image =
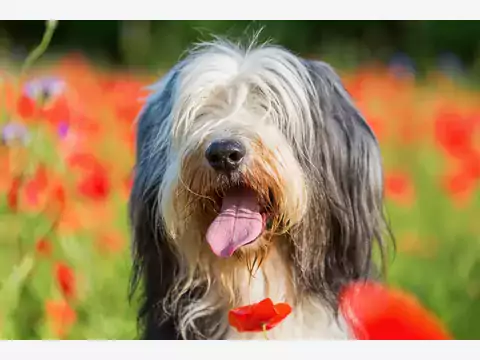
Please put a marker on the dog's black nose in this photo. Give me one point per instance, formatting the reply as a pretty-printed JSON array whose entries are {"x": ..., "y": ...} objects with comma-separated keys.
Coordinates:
[{"x": 225, "y": 155}]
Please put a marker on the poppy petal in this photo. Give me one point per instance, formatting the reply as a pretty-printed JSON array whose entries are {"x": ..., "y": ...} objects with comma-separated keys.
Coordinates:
[
  {"x": 256, "y": 317},
  {"x": 374, "y": 312}
]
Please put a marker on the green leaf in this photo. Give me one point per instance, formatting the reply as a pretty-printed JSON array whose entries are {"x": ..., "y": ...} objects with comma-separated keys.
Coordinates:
[{"x": 12, "y": 286}]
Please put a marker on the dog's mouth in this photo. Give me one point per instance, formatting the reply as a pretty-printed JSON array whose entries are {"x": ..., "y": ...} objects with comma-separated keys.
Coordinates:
[{"x": 242, "y": 219}]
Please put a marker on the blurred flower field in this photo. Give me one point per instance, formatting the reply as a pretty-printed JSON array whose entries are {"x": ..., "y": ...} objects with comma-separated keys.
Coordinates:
[{"x": 66, "y": 159}]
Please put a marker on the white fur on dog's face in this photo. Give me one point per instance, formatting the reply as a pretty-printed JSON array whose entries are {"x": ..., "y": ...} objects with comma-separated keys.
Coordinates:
[{"x": 222, "y": 94}]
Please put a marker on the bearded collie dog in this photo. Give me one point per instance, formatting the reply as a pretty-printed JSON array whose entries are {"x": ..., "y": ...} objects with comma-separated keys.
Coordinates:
[{"x": 256, "y": 176}]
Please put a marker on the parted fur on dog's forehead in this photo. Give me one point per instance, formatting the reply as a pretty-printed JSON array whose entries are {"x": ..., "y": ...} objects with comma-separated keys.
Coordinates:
[{"x": 217, "y": 80}]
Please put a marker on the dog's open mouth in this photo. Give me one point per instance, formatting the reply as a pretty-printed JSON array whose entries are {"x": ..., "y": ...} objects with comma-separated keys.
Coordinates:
[{"x": 242, "y": 220}]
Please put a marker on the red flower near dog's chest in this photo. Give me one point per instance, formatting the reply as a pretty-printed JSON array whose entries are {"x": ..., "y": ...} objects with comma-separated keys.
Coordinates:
[{"x": 261, "y": 316}]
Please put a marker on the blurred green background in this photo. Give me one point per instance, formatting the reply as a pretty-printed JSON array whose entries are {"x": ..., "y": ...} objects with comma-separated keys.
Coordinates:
[
  {"x": 415, "y": 81},
  {"x": 148, "y": 44}
]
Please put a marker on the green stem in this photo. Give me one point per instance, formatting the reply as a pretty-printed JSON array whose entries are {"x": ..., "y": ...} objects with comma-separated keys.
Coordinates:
[
  {"x": 51, "y": 25},
  {"x": 264, "y": 328}
]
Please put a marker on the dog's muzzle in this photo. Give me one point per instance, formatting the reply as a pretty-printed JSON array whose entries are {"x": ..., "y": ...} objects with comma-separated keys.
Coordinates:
[{"x": 240, "y": 220}]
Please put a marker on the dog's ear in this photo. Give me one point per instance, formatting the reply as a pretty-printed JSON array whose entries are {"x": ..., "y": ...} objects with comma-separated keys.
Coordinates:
[
  {"x": 346, "y": 210},
  {"x": 154, "y": 264}
]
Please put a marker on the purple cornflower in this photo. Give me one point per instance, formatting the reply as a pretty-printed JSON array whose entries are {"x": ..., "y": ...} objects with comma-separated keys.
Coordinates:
[
  {"x": 44, "y": 88},
  {"x": 13, "y": 131},
  {"x": 62, "y": 130}
]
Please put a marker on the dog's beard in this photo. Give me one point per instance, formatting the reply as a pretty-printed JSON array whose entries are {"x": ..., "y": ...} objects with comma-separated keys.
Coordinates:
[
  {"x": 234, "y": 216},
  {"x": 238, "y": 214},
  {"x": 270, "y": 187}
]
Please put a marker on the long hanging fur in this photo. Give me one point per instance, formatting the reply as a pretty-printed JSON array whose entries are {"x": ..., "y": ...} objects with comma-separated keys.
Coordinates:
[
  {"x": 346, "y": 212},
  {"x": 154, "y": 263}
]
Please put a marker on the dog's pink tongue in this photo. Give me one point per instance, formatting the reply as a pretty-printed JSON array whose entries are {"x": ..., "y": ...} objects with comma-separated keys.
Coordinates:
[{"x": 238, "y": 223}]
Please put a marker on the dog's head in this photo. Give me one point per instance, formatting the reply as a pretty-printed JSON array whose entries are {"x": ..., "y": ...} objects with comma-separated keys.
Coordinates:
[
  {"x": 239, "y": 131},
  {"x": 239, "y": 150}
]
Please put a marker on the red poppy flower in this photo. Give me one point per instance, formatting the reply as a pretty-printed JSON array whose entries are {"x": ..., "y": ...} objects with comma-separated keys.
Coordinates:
[
  {"x": 460, "y": 187},
  {"x": 471, "y": 163},
  {"x": 94, "y": 182},
  {"x": 57, "y": 113},
  {"x": 43, "y": 247},
  {"x": 399, "y": 188},
  {"x": 35, "y": 186},
  {"x": 258, "y": 317},
  {"x": 44, "y": 98},
  {"x": 55, "y": 199},
  {"x": 83, "y": 161},
  {"x": 95, "y": 185},
  {"x": 13, "y": 193},
  {"x": 26, "y": 107},
  {"x": 374, "y": 312},
  {"x": 454, "y": 133},
  {"x": 61, "y": 316},
  {"x": 58, "y": 196},
  {"x": 65, "y": 279}
]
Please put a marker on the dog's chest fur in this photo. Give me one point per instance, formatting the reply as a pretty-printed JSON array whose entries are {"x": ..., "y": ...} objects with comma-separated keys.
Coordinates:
[{"x": 308, "y": 321}]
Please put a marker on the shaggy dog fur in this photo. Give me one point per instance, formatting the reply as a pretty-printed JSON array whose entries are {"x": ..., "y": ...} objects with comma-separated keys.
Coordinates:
[{"x": 252, "y": 124}]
